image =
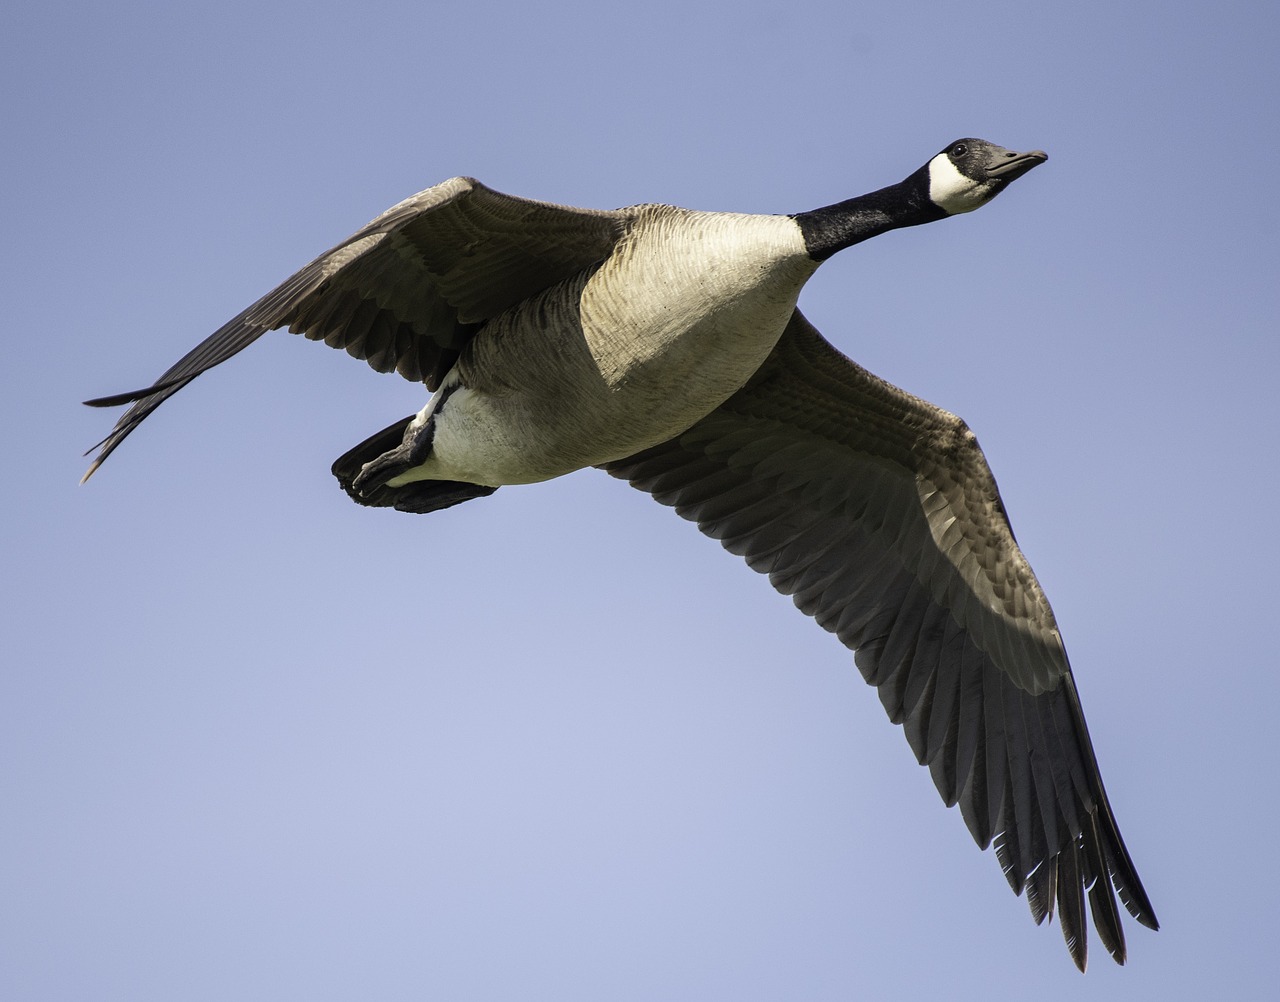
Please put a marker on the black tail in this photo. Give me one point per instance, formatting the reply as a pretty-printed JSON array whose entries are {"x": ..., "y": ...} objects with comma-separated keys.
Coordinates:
[{"x": 417, "y": 498}]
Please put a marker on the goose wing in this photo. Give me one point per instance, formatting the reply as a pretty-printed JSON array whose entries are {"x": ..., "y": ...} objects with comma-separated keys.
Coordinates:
[
  {"x": 406, "y": 292},
  {"x": 878, "y": 514}
]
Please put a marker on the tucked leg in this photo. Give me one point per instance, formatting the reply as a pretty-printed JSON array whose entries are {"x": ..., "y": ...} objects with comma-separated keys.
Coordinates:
[{"x": 364, "y": 471}]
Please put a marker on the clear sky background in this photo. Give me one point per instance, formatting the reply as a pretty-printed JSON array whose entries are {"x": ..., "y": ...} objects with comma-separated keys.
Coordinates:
[{"x": 258, "y": 743}]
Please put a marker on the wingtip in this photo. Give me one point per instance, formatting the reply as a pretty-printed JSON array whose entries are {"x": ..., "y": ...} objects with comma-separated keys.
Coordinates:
[
  {"x": 118, "y": 399},
  {"x": 93, "y": 467}
]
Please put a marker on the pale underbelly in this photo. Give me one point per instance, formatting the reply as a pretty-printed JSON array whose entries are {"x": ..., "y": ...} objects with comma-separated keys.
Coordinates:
[{"x": 580, "y": 413}]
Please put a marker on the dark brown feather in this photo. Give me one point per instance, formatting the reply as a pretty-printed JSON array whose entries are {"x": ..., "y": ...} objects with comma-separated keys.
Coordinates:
[
  {"x": 407, "y": 291},
  {"x": 877, "y": 512}
]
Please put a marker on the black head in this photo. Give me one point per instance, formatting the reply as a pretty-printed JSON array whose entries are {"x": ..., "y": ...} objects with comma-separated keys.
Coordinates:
[{"x": 971, "y": 172}]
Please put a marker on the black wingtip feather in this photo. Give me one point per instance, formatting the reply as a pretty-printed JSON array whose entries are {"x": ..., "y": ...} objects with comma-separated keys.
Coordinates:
[
  {"x": 133, "y": 396},
  {"x": 1070, "y": 894},
  {"x": 1042, "y": 891},
  {"x": 119, "y": 399}
]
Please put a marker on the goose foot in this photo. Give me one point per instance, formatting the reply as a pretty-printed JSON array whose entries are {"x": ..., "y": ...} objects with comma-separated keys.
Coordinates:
[{"x": 412, "y": 451}]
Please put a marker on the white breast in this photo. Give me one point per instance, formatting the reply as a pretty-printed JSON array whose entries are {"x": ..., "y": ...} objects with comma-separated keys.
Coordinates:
[{"x": 695, "y": 296}]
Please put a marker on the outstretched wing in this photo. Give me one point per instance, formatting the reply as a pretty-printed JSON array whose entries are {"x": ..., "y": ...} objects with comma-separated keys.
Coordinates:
[
  {"x": 878, "y": 514},
  {"x": 406, "y": 292}
]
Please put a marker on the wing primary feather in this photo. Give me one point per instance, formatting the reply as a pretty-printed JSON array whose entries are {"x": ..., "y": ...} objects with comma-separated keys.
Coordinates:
[
  {"x": 975, "y": 799},
  {"x": 996, "y": 743},
  {"x": 1040, "y": 763},
  {"x": 941, "y": 739},
  {"x": 1071, "y": 904},
  {"x": 119, "y": 399},
  {"x": 1102, "y": 901},
  {"x": 944, "y": 721},
  {"x": 921, "y": 674},
  {"x": 916, "y": 717},
  {"x": 1021, "y": 786},
  {"x": 1005, "y": 843},
  {"x": 1041, "y": 891},
  {"x": 969, "y": 732}
]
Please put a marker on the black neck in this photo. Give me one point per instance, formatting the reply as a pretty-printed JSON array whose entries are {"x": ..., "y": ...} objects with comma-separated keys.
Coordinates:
[{"x": 835, "y": 227}]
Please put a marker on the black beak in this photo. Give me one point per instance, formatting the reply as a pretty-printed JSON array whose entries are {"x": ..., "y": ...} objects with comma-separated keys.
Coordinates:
[{"x": 1013, "y": 165}]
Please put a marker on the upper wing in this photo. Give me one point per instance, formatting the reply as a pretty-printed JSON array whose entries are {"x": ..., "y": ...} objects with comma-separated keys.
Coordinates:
[
  {"x": 877, "y": 512},
  {"x": 406, "y": 292}
]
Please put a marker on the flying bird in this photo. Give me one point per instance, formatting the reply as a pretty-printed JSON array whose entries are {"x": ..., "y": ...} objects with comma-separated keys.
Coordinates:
[{"x": 664, "y": 346}]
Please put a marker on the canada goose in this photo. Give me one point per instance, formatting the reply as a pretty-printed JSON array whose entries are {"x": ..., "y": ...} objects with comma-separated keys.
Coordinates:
[{"x": 664, "y": 346}]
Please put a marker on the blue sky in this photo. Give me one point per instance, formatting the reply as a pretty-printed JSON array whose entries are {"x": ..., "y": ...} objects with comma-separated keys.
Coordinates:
[{"x": 259, "y": 743}]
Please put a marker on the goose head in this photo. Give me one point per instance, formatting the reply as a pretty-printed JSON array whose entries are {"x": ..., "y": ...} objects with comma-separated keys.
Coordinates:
[{"x": 971, "y": 172}]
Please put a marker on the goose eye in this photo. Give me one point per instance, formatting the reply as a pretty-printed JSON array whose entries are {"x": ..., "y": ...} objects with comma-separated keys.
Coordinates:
[{"x": 959, "y": 150}]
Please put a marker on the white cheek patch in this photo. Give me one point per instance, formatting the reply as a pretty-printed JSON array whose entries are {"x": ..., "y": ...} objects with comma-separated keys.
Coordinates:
[{"x": 951, "y": 191}]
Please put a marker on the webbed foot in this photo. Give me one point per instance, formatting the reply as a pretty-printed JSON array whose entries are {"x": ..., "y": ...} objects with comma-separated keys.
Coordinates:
[
  {"x": 413, "y": 450},
  {"x": 364, "y": 471}
]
